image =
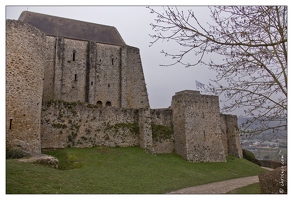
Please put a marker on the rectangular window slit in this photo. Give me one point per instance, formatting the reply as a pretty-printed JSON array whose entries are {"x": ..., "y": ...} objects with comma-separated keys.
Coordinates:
[
  {"x": 10, "y": 124},
  {"x": 75, "y": 77}
]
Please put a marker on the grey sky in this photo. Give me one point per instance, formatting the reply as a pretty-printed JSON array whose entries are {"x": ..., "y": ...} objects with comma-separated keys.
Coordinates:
[{"x": 132, "y": 23}]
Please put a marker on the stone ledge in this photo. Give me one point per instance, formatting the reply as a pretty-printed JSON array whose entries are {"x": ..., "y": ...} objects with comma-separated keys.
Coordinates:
[{"x": 42, "y": 159}]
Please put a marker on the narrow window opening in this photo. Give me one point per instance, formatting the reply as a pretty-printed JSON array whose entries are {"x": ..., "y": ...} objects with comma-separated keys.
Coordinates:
[
  {"x": 73, "y": 56},
  {"x": 108, "y": 84},
  {"x": 99, "y": 104},
  {"x": 10, "y": 124},
  {"x": 108, "y": 103},
  {"x": 112, "y": 61},
  {"x": 75, "y": 77},
  {"x": 92, "y": 83},
  {"x": 203, "y": 115}
]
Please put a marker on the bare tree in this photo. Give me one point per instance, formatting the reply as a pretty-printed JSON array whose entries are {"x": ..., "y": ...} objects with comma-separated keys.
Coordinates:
[{"x": 250, "y": 47}]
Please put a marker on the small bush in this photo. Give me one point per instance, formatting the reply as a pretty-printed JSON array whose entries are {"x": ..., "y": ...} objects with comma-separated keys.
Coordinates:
[
  {"x": 248, "y": 155},
  {"x": 15, "y": 154},
  {"x": 274, "y": 182},
  {"x": 66, "y": 161}
]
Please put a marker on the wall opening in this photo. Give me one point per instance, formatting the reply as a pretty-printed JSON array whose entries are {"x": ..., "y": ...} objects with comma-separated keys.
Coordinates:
[
  {"x": 75, "y": 77},
  {"x": 10, "y": 124},
  {"x": 73, "y": 56},
  {"x": 112, "y": 61},
  {"x": 99, "y": 104},
  {"x": 108, "y": 103},
  {"x": 92, "y": 82},
  {"x": 108, "y": 84}
]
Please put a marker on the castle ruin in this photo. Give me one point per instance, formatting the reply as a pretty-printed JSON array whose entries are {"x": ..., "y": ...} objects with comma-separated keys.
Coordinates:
[{"x": 77, "y": 84}]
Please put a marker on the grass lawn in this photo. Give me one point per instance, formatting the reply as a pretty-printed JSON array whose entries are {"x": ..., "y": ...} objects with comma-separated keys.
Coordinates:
[
  {"x": 250, "y": 189},
  {"x": 105, "y": 170}
]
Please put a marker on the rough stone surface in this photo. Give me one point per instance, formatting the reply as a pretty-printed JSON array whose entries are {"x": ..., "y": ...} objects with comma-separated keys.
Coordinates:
[
  {"x": 230, "y": 133},
  {"x": 42, "y": 159},
  {"x": 84, "y": 125},
  {"x": 196, "y": 121},
  {"x": 67, "y": 91},
  {"x": 94, "y": 73},
  {"x": 162, "y": 130},
  {"x": 25, "y": 50}
]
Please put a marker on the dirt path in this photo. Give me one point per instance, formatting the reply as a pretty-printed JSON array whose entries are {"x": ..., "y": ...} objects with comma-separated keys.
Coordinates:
[{"x": 221, "y": 187}]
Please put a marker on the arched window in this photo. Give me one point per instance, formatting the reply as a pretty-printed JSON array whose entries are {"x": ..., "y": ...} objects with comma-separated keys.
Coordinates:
[
  {"x": 99, "y": 104},
  {"x": 108, "y": 103}
]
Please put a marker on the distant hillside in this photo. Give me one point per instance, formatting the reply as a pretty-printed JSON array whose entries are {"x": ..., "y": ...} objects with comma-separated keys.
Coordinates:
[{"x": 282, "y": 133}]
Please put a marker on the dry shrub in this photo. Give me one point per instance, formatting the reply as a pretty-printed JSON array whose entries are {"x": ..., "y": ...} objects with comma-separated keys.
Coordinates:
[{"x": 274, "y": 182}]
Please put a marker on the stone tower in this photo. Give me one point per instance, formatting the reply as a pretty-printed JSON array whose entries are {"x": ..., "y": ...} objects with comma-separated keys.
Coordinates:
[
  {"x": 25, "y": 58},
  {"x": 89, "y": 63},
  {"x": 196, "y": 121}
]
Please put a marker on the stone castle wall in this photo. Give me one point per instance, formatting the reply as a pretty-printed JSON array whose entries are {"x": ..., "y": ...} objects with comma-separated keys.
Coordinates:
[
  {"x": 84, "y": 125},
  {"x": 162, "y": 130},
  {"x": 224, "y": 133},
  {"x": 106, "y": 75},
  {"x": 196, "y": 121},
  {"x": 81, "y": 125},
  {"x": 25, "y": 54},
  {"x": 65, "y": 92},
  {"x": 231, "y": 135},
  {"x": 135, "y": 92}
]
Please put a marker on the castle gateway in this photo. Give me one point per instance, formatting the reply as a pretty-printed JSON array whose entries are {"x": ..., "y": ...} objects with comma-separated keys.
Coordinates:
[{"x": 77, "y": 84}]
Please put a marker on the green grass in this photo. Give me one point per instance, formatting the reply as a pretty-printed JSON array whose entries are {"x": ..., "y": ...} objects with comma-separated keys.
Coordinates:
[
  {"x": 105, "y": 170},
  {"x": 250, "y": 189}
]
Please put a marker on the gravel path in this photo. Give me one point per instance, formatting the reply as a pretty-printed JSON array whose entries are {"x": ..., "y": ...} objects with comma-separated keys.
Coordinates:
[{"x": 221, "y": 187}]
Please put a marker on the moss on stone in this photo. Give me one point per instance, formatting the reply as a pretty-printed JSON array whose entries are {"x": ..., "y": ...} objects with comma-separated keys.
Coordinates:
[
  {"x": 87, "y": 131},
  {"x": 161, "y": 133},
  {"x": 73, "y": 112},
  {"x": 132, "y": 127},
  {"x": 58, "y": 125}
]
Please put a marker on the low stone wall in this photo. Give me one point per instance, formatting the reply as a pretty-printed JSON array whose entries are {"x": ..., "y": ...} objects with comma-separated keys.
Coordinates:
[
  {"x": 84, "y": 125},
  {"x": 162, "y": 130},
  {"x": 81, "y": 125}
]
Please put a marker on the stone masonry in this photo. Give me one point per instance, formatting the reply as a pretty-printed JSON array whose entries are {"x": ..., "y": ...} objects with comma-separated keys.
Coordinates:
[
  {"x": 197, "y": 133},
  {"x": 25, "y": 50},
  {"x": 82, "y": 86}
]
